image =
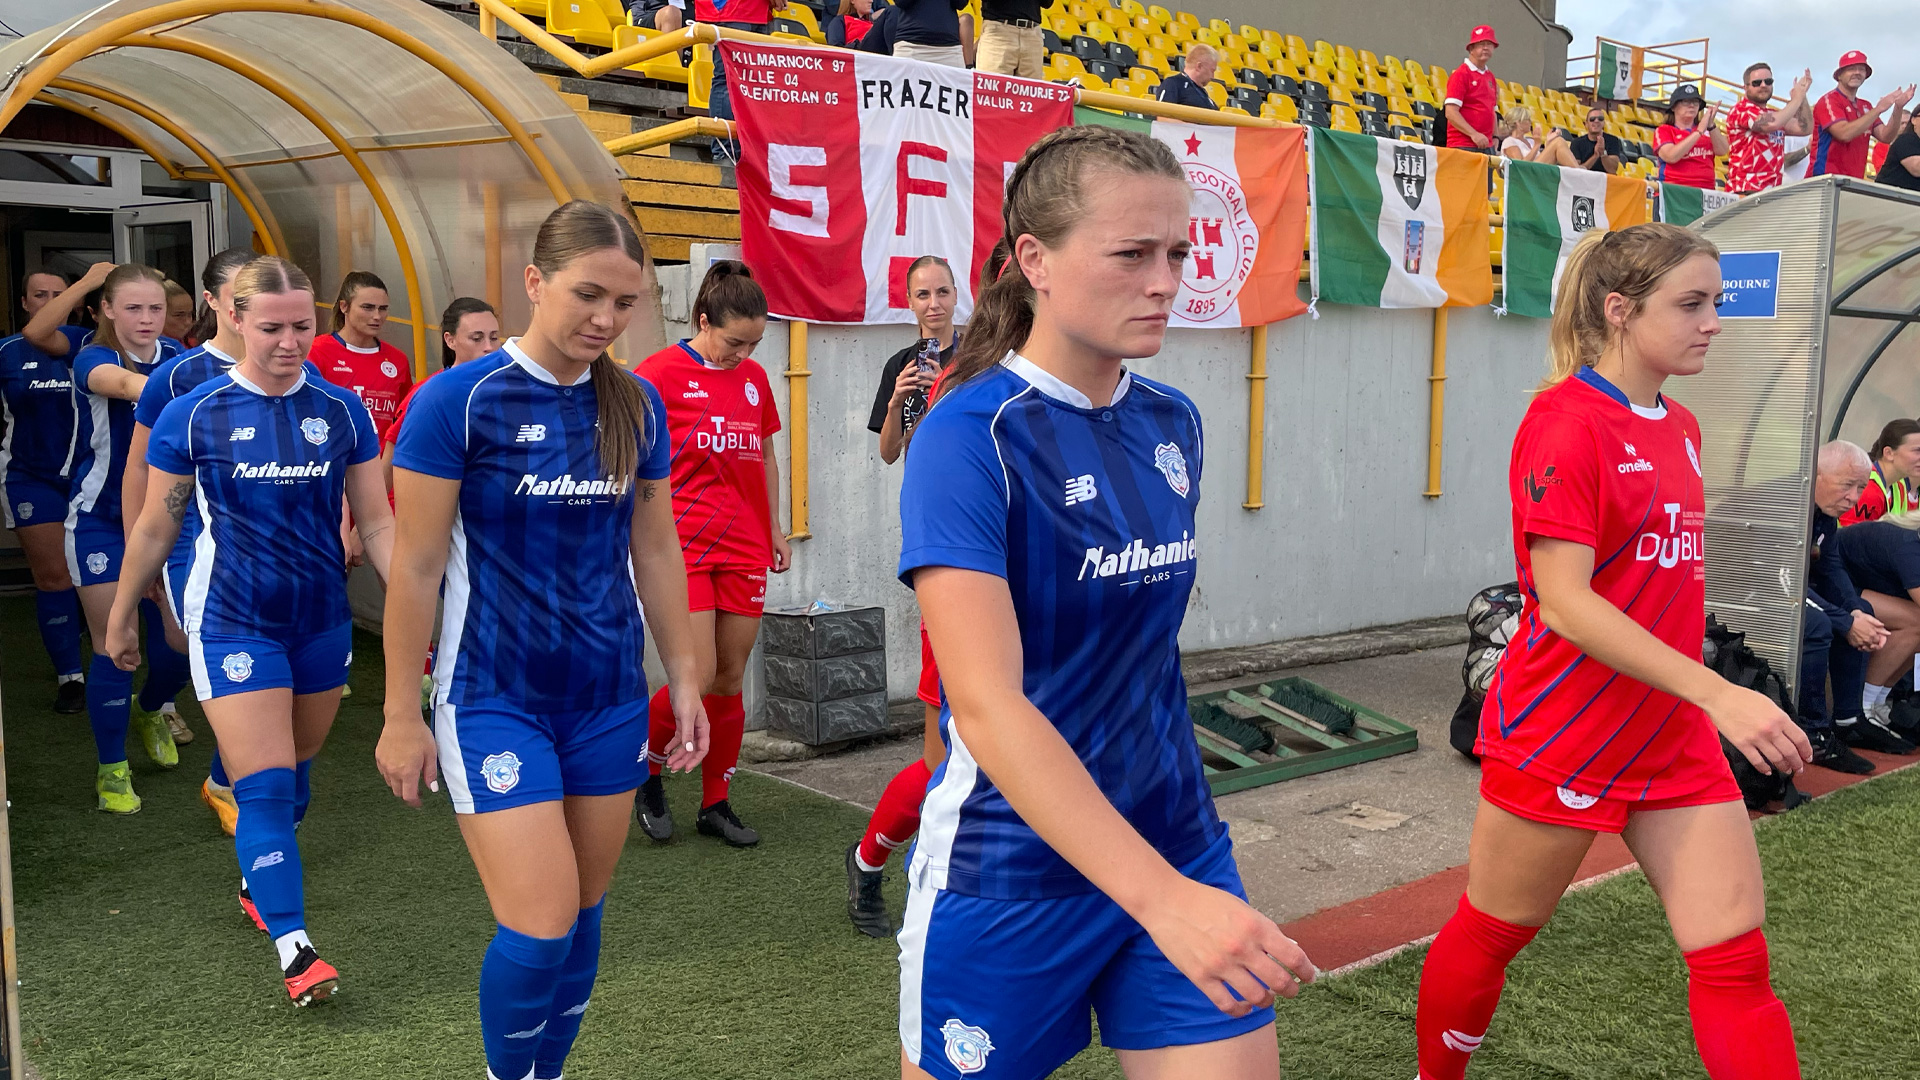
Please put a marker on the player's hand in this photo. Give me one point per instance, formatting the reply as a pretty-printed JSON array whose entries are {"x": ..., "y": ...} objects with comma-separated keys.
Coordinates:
[
  {"x": 406, "y": 754},
  {"x": 350, "y": 543},
  {"x": 123, "y": 641},
  {"x": 910, "y": 381},
  {"x": 95, "y": 277},
  {"x": 1479, "y": 140},
  {"x": 782, "y": 552},
  {"x": 690, "y": 730},
  {"x": 1226, "y": 948},
  {"x": 1867, "y": 632},
  {"x": 1757, "y": 727}
]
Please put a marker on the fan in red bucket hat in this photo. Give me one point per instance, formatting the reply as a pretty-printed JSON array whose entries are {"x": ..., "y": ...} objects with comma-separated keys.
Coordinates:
[
  {"x": 1485, "y": 33},
  {"x": 1848, "y": 123},
  {"x": 1849, "y": 60}
]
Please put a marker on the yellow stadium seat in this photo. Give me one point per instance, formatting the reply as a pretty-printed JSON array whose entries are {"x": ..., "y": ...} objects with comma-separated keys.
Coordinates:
[
  {"x": 1257, "y": 63},
  {"x": 1272, "y": 49},
  {"x": 1345, "y": 52},
  {"x": 1298, "y": 56},
  {"x": 1063, "y": 66},
  {"x": 1344, "y": 119},
  {"x": 1220, "y": 27},
  {"x": 1147, "y": 24},
  {"x": 1416, "y": 69},
  {"x": 1099, "y": 31},
  {"x": 1157, "y": 60},
  {"x": 1179, "y": 31},
  {"x": 1186, "y": 19},
  {"x": 1274, "y": 36},
  {"x": 1218, "y": 93},
  {"x": 1281, "y": 108},
  {"x": 1133, "y": 7},
  {"x": 803, "y": 15},
  {"x": 1369, "y": 61},
  {"x": 1376, "y": 84},
  {"x": 1399, "y": 104},
  {"x": 1295, "y": 41},
  {"x": 1081, "y": 12},
  {"x": 1062, "y": 25},
  {"x": 582, "y": 20},
  {"x": 1344, "y": 78},
  {"x": 1158, "y": 43},
  {"x": 1339, "y": 94},
  {"x": 1091, "y": 81},
  {"x": 1144, "y": 78},
  {"x": 1317, "y": 74},
  {"x": 1131, "y": 38},
  {"x": 1423, "y": 92},
  {"x": 1251, "y": 32},
  {"x": 1236, "y": 110},
  {"x": 1122, "y": 86},
  {"x": 666, "y": 68},
  {"x": 1160, "y": 13},
  {"x": 1208, "y": 36},
  {"x": 1114, "y": 17},
  {"x": 535, "y": 8},
  {"x": 1323, "y": 55},
  {"x": 1234, "y": 43},
  {"x": 700, "y": 77}
]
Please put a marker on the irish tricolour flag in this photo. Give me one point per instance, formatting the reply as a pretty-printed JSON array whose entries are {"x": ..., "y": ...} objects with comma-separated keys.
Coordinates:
[
  {"x": 1548, "y": 209},
  {"x": 1683, "y": 205},
  {"x": 1398, "y": 224}
]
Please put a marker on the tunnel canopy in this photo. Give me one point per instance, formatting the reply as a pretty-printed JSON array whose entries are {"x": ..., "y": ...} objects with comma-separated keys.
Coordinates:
[
  {"x": 1820, "y": 342},
  {"x": 379, "y": 135}
]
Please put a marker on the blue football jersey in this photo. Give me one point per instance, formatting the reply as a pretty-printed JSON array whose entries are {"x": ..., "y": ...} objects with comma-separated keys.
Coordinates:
[
  {"x": 1088, "y": 513},
  {"x": 540, "y": 610},
  {"x": 270, "y": 474},
  {"x": 104, "y": 432},
  {"x": 36, "y": 396}
]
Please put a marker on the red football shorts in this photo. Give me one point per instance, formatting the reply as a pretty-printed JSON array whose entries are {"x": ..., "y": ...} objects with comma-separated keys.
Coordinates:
[
  {"x": 732, "y": 589},
  {"x": 929, "y": 675},
  {"x": 1546, "y": 802}
]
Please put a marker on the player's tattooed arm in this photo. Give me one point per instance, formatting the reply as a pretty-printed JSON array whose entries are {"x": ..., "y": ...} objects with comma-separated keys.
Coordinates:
[
  {"x": 177, "y": 499},
  {"x": 648, "y": 489}
]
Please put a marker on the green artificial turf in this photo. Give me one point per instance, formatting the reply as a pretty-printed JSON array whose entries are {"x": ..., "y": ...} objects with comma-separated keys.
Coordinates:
[{"x": 137, "y": 965}]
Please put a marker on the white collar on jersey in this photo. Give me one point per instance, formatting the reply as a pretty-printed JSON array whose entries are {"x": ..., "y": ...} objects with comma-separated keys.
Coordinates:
[
  {"x": 351, "y": 347},
  {"x": 247, "y": 384},
  {"x": 1049, "y": 384},
  {"x": 225, "y": 360},
  {"x": 532, "y": 366}
]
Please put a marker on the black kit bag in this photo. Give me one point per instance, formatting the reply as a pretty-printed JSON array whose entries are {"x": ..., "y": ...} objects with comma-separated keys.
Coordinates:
[
  {"x": 1493, "y": 615},
  {"x": 1726, "y": 653}
]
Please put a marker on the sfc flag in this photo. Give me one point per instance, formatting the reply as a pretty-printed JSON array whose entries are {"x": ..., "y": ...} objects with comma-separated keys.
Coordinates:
[{"x": 1548, "y": 209}]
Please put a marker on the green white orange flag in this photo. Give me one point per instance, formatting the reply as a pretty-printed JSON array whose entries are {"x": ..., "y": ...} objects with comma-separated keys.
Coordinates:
[
  {"x": 1248, "y": 223},
  {"x": 1683, "y": 205},
  {"x": 1399, "y": 224},
  {"x": 1548, "y": 209}
]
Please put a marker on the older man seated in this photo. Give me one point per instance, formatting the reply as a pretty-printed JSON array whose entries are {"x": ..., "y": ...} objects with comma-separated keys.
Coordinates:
[{"x": 1840, "y": 629}]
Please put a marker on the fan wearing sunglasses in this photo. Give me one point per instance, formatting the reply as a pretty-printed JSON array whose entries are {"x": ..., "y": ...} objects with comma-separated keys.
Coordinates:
[
  {"x": 1757, "y": 132},
  {"x": 1596, "y": 149}
]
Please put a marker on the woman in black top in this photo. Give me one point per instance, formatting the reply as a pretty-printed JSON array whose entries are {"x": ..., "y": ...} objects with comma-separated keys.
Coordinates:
[{"x": 1902, "y": 167}]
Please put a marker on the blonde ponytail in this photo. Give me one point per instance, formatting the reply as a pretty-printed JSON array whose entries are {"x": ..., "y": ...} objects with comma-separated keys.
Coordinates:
[{"x": 1630, "y": 262}]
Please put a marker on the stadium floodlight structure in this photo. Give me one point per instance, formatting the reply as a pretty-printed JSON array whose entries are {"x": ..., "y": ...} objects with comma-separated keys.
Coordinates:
[
  {"x": 1820, "y": 341},
  {"x": 380, "y": 135}
]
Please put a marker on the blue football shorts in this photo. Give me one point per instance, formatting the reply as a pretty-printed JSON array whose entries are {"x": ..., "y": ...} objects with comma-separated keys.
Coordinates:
[
  {"x": 497, "y": 756},
  {"x": 95, "y": 546},
  {"x": 225, "y": 664}
]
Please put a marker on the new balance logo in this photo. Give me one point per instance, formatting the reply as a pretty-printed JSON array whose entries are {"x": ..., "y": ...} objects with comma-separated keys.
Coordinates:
[
  {"x": 271, "y": 858},
  {"x": 241, "y": 434},
  {"x": 1461, "y": 1041},
  {"x": 577, "y": 1009},
  {"x": 531, "y": 433},
  {"x": 1082, "y": 489}
]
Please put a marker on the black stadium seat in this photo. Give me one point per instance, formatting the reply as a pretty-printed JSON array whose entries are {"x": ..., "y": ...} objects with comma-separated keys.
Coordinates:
[
  {"x": 1249, "y": 99},
  {"x": 1373, "y": 125},
  {"x": 1285, "y": 84},
  {"x": 1313, "y": 90},
  {"x": 1122, "y": 54},
  {"x": 788, "y": 26},
  {"x": 1371, "y": 100},
  {"x": 1255, "y": 78},
  {"x": 1426, "y": 109},
  {"x": 1051, "y": 40},
  {"x": 1087, "y": 48},
  {"x": 1106, "y": 69},
  {"x": 1397, "y": 131},
  {"x": 1316, "y": 119}
]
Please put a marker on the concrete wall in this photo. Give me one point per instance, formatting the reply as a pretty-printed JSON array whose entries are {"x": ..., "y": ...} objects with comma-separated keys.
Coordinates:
[
  {"x": 1532, "y": 48},
  {"x": 1345, "y": 540}
]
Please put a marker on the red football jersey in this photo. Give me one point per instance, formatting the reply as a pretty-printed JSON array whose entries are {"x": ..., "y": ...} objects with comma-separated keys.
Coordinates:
[
  {"x": 1830, "y": 155},
  {"x": 718, "y": 420},
  {"x": 1694, "y": 170},
  {"x": 380, "y": 375},
  {"x": 1591, "y": 468}
]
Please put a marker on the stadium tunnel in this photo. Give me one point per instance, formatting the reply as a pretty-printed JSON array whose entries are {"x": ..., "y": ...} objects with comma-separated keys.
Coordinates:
[{"x": 374, "y": 135}]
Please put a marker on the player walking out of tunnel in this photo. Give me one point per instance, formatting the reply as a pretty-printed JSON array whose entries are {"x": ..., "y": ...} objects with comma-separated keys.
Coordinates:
[
  {"x": 726, "y": 479},
  {"x": 220, "y": 350},
  {"x": 266, "y": 452},
  {"x": 535, "y": 480},
  {"x": 1601, "y": 717},
  {"x": 36, "y": 473},
  {"x": 354, "y": 357},
  {"x": 108, "y": 375},
  {"x": 1070, "y": 860}
]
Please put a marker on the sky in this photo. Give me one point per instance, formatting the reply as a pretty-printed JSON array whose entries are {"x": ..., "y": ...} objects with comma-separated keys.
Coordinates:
[{"x": 1792, "y": 35}]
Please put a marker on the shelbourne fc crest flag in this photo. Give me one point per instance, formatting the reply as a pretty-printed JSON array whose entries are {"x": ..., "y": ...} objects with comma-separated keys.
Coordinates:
[
  {"x": 1617, "y": 71},
  {"x": 1248, "y": 222},
  {"x": 853, "y": 165},
  {"x": 1681, "y": 204},
  {"x": 1399, "y": 224},
  {"x": 1548, "y": 210}
]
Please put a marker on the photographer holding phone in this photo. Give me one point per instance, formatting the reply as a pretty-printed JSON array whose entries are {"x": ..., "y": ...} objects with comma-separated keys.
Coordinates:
[{"x": 902, "y": 397}]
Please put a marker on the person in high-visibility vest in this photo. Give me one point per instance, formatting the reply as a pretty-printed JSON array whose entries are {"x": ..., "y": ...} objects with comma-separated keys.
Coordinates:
[{"x": 1896, "y": 463}]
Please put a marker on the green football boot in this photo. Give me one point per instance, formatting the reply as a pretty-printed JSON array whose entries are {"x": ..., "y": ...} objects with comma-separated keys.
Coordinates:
[{"x": 114, "y": 785}]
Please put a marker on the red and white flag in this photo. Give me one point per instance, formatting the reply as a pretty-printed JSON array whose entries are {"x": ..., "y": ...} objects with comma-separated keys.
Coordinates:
[{"x": 853, "y": 164}]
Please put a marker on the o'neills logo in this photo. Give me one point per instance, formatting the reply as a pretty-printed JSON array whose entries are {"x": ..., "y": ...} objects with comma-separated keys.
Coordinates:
[
  {"x": 567, "y": 485},
  {"x": 273, "y": 470},
  {"x": 1136, "y": 556}
]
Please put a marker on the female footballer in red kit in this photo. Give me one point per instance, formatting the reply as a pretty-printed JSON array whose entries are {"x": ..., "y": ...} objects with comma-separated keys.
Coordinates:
[{"x": 1601, "y": 717}]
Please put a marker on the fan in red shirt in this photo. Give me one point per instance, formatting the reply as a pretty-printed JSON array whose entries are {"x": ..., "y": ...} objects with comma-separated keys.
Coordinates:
[
  {"x": 1471, "y": 93},
  {"x": 1757, "y": 132},
  {"x": 1690, "y": 139},
  {"x": 354, "y": 358},
  {"x": 1601, "y": 717},
  {"x": 1844, "y": 120},
  {"x": 721, "y": 417}
]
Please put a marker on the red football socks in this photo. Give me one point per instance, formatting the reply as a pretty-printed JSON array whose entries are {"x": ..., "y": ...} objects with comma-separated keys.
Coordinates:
[
  {"x": 660, "y": 729},
  {"x": 1460, "y": 987},
  {"x": 727, "y": 721},
  {"x": 897, "y": 817},
  {"x": 1740, "y": 1027}
]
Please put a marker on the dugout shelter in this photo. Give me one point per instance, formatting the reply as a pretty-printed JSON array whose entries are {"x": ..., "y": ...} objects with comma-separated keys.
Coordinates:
[{"x": 1819, "y": 341}]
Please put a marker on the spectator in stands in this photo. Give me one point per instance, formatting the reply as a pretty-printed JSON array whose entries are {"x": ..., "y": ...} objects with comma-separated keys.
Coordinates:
[
  {"x": 1896, "y": 465},
  {"x": 908, "y": 374},
  {"x": 928, "y": 30},
  {"x": 1522, "y": 143},
  {"x": 663, "y": 15},
  {"x": 1799, "y": 155},
  {"x": 1757, "y": 132},
  {"x": 1690, "y": 139},
  {"x": 1842, "y": 120},
  {"x": 1597, "y": 150},
  {"x": 1882, "y": 559},
  {"x": 750, "y": 15},
  {"x": 1902, "y": 168},
  {"x": 1471, "y": 93},
  {"x": 851, "y": 23},
  {"x": 1840, "y": 629},
  {"x": 1010, "y": 39},
  {"x": 1189, "y": 87}
]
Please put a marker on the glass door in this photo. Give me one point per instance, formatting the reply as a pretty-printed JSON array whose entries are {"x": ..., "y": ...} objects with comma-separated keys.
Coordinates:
[{"x": 173, "y": 238}]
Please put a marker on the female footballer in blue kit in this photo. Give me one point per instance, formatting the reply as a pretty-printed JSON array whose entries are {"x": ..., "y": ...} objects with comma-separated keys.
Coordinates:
[
  {"x": 535, "y": 479},
  {"x": 36, "y": 474},
  {"x": 108, "y": 375},
  {"x": 266, "y": 452},
  {"x": 1070, "y": 861}
]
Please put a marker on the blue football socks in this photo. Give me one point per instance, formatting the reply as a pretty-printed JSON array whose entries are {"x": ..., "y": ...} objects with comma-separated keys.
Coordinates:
[
  {"x": 302, "y": 790},
  {"x": 270, "y": 857},
  {"x": 59, "y": 617},
  {"x": 218, "y": 771},
  {"x": 166, "y": 670},
  {"x": 571, "y": 995},
  {"x": 517, "y": 983},
  {"x": 109, "y": 691}
]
